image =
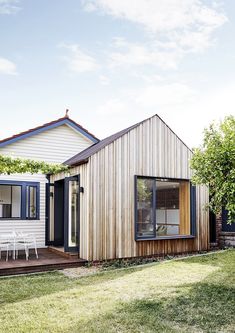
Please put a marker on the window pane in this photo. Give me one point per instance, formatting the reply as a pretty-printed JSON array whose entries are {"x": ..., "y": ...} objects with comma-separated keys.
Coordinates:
[
  {"x": 172, "y": 208},
  {"x": 145, "y": 216},
  {"x": 52, "y": 215},
  {"x": 167, "y": 208},
  {"x": 32, "y": 201},
  {"x": 10, "y": 201},
  {"x": 16, "y": 201},
  {"x": 27, "y": 202},
  {"x": 73, "y": 202}
]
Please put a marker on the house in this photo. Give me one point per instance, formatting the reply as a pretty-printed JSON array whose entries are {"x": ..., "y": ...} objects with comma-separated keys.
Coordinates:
[
  {"x": 23, "y": 197},
  {"x": 227, "y": 231},
  {"x": 129, "y": 195},
  {"x": 222, "y": 234}
]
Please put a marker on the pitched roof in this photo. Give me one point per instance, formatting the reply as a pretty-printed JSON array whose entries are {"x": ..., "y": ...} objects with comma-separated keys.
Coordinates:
[
  {"x": 53, "y": 124},
  {"x": 83, "y": 156}
]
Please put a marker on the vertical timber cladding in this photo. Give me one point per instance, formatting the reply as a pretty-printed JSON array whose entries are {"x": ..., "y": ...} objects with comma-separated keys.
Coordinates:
[{"x": 107, "y": 228}]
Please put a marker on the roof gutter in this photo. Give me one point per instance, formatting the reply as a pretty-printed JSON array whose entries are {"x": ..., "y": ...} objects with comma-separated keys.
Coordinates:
[{"x": 79, "y": 163}]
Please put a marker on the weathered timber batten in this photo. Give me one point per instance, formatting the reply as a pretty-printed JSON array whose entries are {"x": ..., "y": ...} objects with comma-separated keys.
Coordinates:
[{"x": 107, "y": 226}]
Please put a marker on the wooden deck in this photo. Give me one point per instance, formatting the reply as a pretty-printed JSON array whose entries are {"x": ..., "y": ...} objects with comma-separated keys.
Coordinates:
[{"x": 47, "y": 261}]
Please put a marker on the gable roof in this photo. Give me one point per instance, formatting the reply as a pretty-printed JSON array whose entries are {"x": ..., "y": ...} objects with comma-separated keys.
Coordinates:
[
  {"x": 83, "y": 156},
  {"x": 53, "y": 124}
]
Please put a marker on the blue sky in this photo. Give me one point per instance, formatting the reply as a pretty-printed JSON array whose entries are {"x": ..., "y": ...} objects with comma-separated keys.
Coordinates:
[{"x": 116, "y": 62}]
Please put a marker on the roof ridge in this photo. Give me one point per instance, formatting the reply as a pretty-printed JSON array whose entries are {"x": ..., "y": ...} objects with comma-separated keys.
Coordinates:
[
  {"x": 102, "y": 143},
  {"x": 85, "y": 154},
  {"x": 37, "y": 128}
]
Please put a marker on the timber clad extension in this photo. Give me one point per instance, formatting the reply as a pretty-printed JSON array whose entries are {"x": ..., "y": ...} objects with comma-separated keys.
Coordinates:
[
  {"x": 128, "y": 195},
  {"x": 107, "y": 173}
]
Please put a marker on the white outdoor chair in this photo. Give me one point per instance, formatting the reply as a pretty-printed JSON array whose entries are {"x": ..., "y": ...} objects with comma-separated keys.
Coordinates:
[
  {"x": 5, "y": 244},
  {"x": 25, "y": 241}
]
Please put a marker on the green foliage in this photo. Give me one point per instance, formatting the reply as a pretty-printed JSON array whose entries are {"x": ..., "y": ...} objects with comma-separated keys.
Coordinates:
[
  {"x": 214, "y": 165},
  {"x": 9, "y": 165},
  {"x": 122, "y": 263}
]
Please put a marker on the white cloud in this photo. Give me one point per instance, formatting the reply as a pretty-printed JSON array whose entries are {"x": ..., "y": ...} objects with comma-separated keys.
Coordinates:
[
  {"x": 7, "y": 67},
  {"x": 185, "y": 110},
  {"x": 117, "y": 113},
  {"x": 79, "y": 61},
  {"x": 172, "y": 95},
  {"x": 191, "y": 118},
  {"x": 113, "y": 107},
  {"x": 9, "y": 6},
  {"x": 104, "y": 80},
  {"x": 89, "y": 6},
  {"x": 135, "y": 105},
  {"x": 175, "y": 28},
  {"x": 126, "y": 54},
  {"x": 148, "y": 78},
  {"x": 161, "y": 15}
]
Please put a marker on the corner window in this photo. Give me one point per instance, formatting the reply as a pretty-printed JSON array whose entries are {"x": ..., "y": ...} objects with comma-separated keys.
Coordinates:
[
  {"x": 19, "y": 200},
  {"x": 163, "y": 208}
]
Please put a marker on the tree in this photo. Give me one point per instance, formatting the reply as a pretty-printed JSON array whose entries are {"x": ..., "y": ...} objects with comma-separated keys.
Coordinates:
[
  {"x": 213, "y": 165},
  {"x": 9, "y": 165}
]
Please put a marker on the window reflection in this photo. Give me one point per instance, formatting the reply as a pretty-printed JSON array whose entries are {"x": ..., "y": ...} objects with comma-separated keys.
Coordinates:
[{"x": 145, "y": 224}]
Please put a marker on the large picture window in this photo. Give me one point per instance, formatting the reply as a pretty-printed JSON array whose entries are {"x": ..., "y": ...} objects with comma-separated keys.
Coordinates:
[
  {"x": 19, "y": 200},
  {"x": 164, "y": 208}
]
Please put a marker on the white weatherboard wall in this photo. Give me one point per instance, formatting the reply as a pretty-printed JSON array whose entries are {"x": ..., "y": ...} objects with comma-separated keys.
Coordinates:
[
  {"x": 54, "y": 146},
  {"x": 37, "y": 227}
]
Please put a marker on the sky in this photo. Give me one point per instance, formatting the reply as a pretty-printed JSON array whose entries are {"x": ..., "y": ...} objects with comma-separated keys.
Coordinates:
[{"x": 113, "y": 63}]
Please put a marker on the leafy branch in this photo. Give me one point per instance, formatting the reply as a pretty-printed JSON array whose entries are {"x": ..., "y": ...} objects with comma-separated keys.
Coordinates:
[
  {"x": 213, "y": 165},
  {"x": 9, "y": 165}
]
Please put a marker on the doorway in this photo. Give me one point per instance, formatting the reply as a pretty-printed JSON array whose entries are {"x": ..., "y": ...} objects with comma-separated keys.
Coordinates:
[{"x": 62, "y": 214}]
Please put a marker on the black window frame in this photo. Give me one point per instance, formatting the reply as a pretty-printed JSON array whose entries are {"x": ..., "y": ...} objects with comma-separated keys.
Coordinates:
[
  {"x": 24, "y": 192},
  {"x": 192, "y": 210}
]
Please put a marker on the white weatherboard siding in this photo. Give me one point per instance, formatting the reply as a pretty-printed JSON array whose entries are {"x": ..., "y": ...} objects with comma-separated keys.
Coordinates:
[
  {"x": 55, "y": 145},
  {"x": 37, "y": 227}
]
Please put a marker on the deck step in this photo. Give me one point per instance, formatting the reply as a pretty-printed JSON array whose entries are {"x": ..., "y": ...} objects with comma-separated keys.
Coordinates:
[
  {"x": 40, "y": 268},
  {"x": 47, "y": 261},
  {"x": 60, "y": 251}
]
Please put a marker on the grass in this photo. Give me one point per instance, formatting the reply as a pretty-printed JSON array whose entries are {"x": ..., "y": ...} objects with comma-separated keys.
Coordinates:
[{"x": 196, "y": 294}]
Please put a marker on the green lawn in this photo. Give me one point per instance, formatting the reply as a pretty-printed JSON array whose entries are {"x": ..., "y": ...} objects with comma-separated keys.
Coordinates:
[{"x": 196, "y": 294}]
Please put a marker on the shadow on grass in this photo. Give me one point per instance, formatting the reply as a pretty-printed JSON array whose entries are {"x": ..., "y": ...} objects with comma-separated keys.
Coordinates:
[
  {"x": 20, "y": 288},
  {"x": 197, "y": 308},
  {"x": 207, "y": 306}
]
